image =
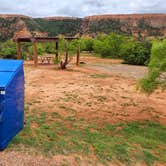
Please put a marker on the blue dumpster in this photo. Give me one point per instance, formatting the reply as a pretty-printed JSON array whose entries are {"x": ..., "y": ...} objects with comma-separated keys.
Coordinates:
[{"x": 11, "y": 100}]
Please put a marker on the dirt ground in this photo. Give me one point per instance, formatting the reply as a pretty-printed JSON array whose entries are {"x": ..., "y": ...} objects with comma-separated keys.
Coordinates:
[{"x": 97, "y": 95}]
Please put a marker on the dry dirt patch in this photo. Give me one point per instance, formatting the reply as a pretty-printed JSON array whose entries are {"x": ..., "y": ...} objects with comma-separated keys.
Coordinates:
[{"x": 93, "y": 95}]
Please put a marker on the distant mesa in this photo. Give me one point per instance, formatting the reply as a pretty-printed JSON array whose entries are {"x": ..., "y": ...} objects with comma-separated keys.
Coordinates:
[
  {"x": 13, "y": 15},
  {"x": 125, "y": 16},
  {"x": 60, "y": 18},
  {"x": 138, "y": 25}
]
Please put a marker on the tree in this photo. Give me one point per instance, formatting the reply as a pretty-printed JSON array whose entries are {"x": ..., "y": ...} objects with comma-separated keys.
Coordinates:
[
  {"x": 68, "y": 49},
  {"x": 157, "y": 68}
]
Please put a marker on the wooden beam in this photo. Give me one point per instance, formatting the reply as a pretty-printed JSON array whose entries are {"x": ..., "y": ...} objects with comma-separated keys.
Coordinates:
[
  {"x": 78, "y": 56},
  {"x": 57, "y": 50},
  {"x": 18, "y": 45},
  {"x": 35, "y": 55},
  {"x": 42, "y": 39},
  {"x": 66, "y": 53}
]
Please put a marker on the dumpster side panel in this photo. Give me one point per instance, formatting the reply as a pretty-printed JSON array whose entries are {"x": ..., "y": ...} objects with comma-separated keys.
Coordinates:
[
  {"x": 14, "y": 107},
  {"x": 2, "y": 107}
]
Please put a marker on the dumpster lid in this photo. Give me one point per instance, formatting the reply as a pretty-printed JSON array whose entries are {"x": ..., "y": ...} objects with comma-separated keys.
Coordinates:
[
  {"x": 5, "y": 78},
  {"x": 10, "y": 65}
]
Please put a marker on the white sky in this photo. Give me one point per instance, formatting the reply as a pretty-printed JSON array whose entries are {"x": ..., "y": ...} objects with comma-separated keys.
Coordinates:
[{"x": 80, "y": 8}]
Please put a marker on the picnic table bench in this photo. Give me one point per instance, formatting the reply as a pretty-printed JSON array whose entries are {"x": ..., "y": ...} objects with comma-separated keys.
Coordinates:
[{"x": 46, "y": 59}]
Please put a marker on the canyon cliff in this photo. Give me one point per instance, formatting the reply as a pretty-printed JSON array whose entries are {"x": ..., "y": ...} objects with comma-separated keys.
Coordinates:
[{"x": 138, "y": 25}]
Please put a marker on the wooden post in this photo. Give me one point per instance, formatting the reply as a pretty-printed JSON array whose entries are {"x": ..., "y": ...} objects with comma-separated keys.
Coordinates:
[
  {"x": 18, "y": 45},
  {"x": 35, "y": 56},
  {"x": 57, "y": 47},
  {"x": 67, "y": 53},
  {"x": 78, "y": 56}
]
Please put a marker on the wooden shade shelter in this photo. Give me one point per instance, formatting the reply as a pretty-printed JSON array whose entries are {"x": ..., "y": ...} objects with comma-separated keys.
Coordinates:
[{"x": 36, "y": 40}]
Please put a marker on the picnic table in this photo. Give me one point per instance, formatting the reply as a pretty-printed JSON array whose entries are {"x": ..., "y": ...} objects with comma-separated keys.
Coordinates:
[{"x": 46, "y": 59}]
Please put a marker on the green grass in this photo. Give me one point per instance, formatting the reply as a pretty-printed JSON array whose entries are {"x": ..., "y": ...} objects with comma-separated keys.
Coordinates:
[{"x": 127, "y": 142}]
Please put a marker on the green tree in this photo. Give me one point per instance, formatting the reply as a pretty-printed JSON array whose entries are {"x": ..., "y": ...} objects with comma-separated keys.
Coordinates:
[
  {"x": 50, "y": 48},
  {"x": 157, "y": 68}
]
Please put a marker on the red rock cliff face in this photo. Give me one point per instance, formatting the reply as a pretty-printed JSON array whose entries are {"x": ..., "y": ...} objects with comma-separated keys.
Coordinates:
[
  {"x": 155, "y": 20},
  {"x": 138, "y": 25},
  {"x": 144, "y": 25}
]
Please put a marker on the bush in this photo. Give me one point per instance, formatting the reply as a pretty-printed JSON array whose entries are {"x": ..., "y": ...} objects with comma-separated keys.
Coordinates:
[
  {"x": 87, "y": 44},
  {"x": 40, "y": 49},
  {"x": 158, "y": 56},
  {"x": 157, "y": 67},
  {"x": 50, "y": 48},
  {"x": 8, "y": 50},
  {"x": 149, "y": 83},
  {"x": 109, "y": 46},
  {"x": 136, "y": 53}
]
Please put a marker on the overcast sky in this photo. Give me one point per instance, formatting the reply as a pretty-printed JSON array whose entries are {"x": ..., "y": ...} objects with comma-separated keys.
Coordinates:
[{"x": 80, "y": 8}]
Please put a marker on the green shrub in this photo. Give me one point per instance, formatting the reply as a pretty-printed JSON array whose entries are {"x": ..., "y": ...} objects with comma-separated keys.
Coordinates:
[
  {"x": 8, "y": 50},
  {"x": 40, "y": 49},
  {"x": 149, "y": 83},
  {"x": 158, "y": 56},
  {"x": 87, "y": 44},
  {"x": 136, "y": 53},
  {"x": 50, "y": 48},
  {"x": 109, "y": 46},
  {"x": 101, "y": 48},
  {"x": 157, "y": 67}
]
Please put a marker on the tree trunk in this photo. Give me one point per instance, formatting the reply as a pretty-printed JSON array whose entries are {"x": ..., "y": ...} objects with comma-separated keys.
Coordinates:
[{"x": 63, "y": 64}]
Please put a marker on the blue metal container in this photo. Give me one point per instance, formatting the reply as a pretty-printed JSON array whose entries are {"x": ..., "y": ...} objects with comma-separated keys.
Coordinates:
[{"x": 11, "y": 100}]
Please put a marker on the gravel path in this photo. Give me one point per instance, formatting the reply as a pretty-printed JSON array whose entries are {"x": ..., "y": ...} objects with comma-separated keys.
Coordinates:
[{"x": 130, "y": 71}]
